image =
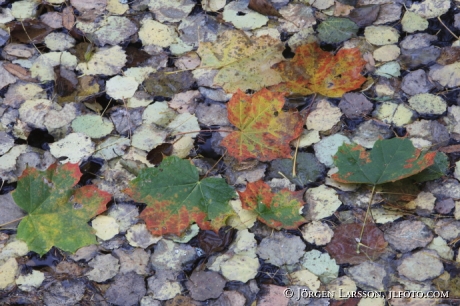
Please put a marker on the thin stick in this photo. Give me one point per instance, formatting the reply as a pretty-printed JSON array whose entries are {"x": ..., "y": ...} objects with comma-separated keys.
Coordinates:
[
  {"x": 103, "y": 112},
  {"x": 448, "y": 28},
  {"x": 12, "y": 221},
  {"x": 295, "y": 157},
  {"x": 24, "y": 28},
  {"x": 365, "y": 219},
  {"x": 197, "y": 131},
  {"x": 206, "y": 174}
]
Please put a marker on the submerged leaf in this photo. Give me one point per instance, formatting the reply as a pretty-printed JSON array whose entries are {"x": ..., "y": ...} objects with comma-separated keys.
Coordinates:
[
  {"x": 264, "y": 129},
  {"x": 175, "y": 197},
  {"x": 58, "y": 214},
  {"x": 388, "y": 161}
]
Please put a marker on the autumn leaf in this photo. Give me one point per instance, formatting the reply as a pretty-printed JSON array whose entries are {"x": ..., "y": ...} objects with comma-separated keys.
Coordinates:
[
  {"x": 58, "y": 213},
  {"x": 244, "y": 63},
  {"x": 343, "y": 245},
  {"x": 277, "y": 210},
  {"x": 264, "y": 129},
  {"x": 313, "y": 70},
  {"x": 176, "y": 198},
  {"x": 388, "y": 161}
]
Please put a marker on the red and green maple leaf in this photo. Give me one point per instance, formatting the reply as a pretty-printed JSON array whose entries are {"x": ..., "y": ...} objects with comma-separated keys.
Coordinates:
[
  {"x": 313, "y": 70},
  {"x": 176, "y": 198},
  {"x": 58, "y": 214},
  {"x": 277, "y": 210},
  {"x": 264, "y": 130},
  {"x": 388, "y": 161}
]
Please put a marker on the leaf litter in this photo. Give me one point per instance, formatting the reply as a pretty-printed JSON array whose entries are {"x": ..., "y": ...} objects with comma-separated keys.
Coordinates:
[{"x": 182, "y": 99}]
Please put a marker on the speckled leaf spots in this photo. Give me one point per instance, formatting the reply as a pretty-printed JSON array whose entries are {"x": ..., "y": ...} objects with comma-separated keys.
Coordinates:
[
  {"x": 175, "y": 197},
  {"x": 277, "y": 210},
  {"x": 264, "y": 129},
  {"x": 313, "y": 70},
  {"x": 388, "y": 161},
  {"x": 244, "y": 63},
  {"x": 58, "y": 213}
]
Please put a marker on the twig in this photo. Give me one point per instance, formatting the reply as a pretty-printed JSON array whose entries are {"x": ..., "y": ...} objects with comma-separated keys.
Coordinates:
[
  {"x": 365, "y": 219},
  {"x": 12, "y": 221},
  {"x": 448, "y": 28}
]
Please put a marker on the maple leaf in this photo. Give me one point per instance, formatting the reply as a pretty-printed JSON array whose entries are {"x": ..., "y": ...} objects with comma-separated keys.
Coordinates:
[
  {"x": 244, "y": 63},
  {"x": 58, "y": 213},
  {"x": 388, "y": 161},
  {"x": 264, "y": 129},
  {"x": 313, "y": 70},
  {"x": 277, "y": 210},
  {"x": 175, "y": 197}
]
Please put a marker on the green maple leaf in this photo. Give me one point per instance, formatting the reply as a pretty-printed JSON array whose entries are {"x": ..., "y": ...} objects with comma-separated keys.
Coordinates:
[
  {"x": 175, "y": 197},
  {"x": 277, "y": 210},
  {"x": 57, "y": 213},
  {"x": 388, "y": 161}
]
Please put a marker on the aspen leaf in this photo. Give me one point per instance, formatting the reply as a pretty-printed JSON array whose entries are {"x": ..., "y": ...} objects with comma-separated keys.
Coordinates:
[
  {"x": 313, "y": 70},
  {"x": 58, "y": 213},
  {"x": 264, "y": 129}
]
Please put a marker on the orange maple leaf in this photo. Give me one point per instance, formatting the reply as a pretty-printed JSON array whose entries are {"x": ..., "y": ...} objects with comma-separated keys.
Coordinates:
[
  {"x": 313, "y": 70},
  {"x": 264, "y": 129}
]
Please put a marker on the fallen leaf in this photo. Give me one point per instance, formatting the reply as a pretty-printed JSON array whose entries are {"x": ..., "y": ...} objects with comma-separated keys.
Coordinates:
[
  {"x": 344, "y": 243},
  {"x": 388, "y": 161},
  {"x": 19, "y": 72},
  {"x": 335, "y": 30},
  {"x": 58, "y": 213},
  {"x": 244, "y": 63},
  {"x": 264, "y": 129},
  {"x": 277, "y": 210},
  {"x": 264, "y": 7},
  {"x": 156, "y": 155},
  {"x": 175, "y": 197},
  {"x": 313, "y": 70},
  {"x": 68, "y": 18}
]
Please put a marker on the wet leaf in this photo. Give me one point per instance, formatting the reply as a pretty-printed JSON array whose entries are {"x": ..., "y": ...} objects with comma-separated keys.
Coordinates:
[
  {"x": 388, "y": 161},
  {"x": 167, "y": 83},
  {"x": 277, "y": 210},
  {"x": 58, "y": 213},
  {"x": 68, "y": 18},
  {"x": 244, "y": 63},
  {"x": 264, "y": 7},
  {"x": 335, "y": 30},
  {"x": 313, "y": 70},
  {"x": 211, "y": 242},
  {"x": 344, "y": 243},
  {"x": 175, "y": 197},
  {"x": 156, "y": 155},
  {"x": 264, "y": 129},
  {"x": 436, "y": 170},
  {"x": 308, "y": 169},
  {"x": 29, "y": 31}
]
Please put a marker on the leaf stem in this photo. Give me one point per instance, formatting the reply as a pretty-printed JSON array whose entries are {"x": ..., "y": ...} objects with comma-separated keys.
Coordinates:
[
  {"x": 197, "y": 131},
  {"x": 12, "y": 221},
  {"x": 365, "y": 219}
]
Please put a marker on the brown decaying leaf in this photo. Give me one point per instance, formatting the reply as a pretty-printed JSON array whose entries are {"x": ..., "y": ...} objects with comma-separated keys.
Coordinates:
[
  {"x": 450, "y": 149},
  {"x": 19, "y": 72},
  {"x": 344, "y": 245},
  {"x": 211, "y": 242},
  {"x": 155, "y": 156},
  {"x": 263, "y": 7},
  {"x": 63, "y": 86},
  {"x": 35, "y": 31},
  {"x": 68, "y": 18}
]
